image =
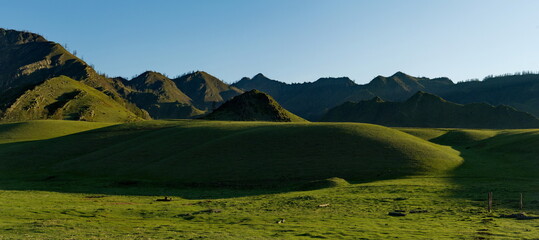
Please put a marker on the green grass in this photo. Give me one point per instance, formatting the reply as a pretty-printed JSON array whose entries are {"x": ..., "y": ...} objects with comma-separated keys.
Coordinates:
[
  {"x": 236, "y": 153},
  {"x": 44, "y": 129},
  {"x": 449, "y": 182},
  {"x": 64, "y": 98},
  {"x": 357, "y": 211}
]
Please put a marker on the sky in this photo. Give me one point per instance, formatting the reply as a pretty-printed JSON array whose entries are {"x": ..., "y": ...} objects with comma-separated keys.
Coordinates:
[{"x": 290, "y": 40}]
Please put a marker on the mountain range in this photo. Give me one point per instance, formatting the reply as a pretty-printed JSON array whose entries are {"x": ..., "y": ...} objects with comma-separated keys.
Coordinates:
[
  {"x": 40, "y": 79},
  {"x": 311, "y": 100},
  {"x": 428, "y": 110}
]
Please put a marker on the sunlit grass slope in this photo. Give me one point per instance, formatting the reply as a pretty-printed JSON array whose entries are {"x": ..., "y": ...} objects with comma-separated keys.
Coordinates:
[
  {"x": 210, "y": 152},
  {"x": 44, "y": 129},
  {"x": 489, "y": 153},
  {"x": 67, "y": 99}
]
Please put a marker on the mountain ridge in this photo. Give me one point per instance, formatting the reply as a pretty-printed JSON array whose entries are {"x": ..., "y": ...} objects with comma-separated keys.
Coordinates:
[
  {"x": 27, "y": 60},
  {"x": 428, "y": 110}
]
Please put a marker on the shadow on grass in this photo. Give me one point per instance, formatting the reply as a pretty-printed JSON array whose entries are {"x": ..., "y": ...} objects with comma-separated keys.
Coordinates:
[
  {"x": 65, "y": 184},
  {"x": 113, "y": 160},
  {"x": 498, "y": 165}
]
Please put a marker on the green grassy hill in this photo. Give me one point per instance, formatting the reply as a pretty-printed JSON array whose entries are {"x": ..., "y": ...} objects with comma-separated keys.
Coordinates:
[
  {"x": 244, "y": 153},
  {"x": 489, "y": 153},
  {"x": 106, "y": 180},
  {"x": 44, "y": 129},
  {"x": 428, "y": 110},
  {"x": 253, "y": 106},
  {"x": 28, "y": 59},
  {"x": 65, "y": 98}
]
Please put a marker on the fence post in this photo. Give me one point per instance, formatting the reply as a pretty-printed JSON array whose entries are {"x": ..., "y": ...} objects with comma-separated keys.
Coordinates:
[
  {"x": 521, "y": 202},
  {"x": 489, "y": 207}
]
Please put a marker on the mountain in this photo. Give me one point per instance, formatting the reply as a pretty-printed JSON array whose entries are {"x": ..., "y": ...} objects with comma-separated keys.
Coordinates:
[
  {"x": 259, "y": 81},
  {"x": 206, "y": 91},
  {"x": 160, "y": 96},
  {"x": 312, "y": 99},
  {"x": 428, "y": 110},
  {"x": 65, "y": 98},
  {"x": 308, "y": 100},
  {"x": 28, "y": 60},
  {"x": 253, "y": 105},
  {"x": 400, "y": 86},
  {"x": 520, "y": 91}
]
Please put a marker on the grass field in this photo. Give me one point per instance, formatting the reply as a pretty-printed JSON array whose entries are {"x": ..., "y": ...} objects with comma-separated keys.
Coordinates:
[{"x": 441, "y": 174}]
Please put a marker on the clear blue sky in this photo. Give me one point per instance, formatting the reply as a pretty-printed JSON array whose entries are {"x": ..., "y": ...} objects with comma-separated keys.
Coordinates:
[{"x": 290, "y": 40}]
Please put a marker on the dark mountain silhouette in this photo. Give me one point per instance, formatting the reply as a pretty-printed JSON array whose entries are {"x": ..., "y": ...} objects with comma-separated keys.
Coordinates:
[
  {"x": 253, "y": 105},
  {"x": 159, "y": 95},
  {"x": 311, "y": 100},
  {"x": 308, "y": 100},
  {"x": 206, "y": 91},
  {"x": 520, "y": 91},
  {"x": 428, "y": 110},
  {"x": 401, "y": 86}
]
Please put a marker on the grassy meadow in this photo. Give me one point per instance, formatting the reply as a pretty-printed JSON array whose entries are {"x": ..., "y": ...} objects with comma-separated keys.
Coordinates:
[{"x": 238, "y": 180}]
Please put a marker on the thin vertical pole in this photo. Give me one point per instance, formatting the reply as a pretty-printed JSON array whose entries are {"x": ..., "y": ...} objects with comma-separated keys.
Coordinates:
[
  {"x": 489, "y": 208},
  {"x": 521, "y": 201}
]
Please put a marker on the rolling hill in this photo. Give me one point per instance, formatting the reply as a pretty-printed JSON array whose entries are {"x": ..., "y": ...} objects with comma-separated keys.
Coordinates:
[
  {"x": 217, "y": 152},
  {"x": 65, "y": 98},
  {"x": 427, "y": 110},
  {"x": 253, "y": 106}
]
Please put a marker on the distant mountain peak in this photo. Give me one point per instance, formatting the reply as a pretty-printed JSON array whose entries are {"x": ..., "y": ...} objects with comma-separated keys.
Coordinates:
[
  {"x": 14, "y": 37},
  {"x": 148, "y": 77},
  {"x": 344, "y": 81},
  {"x": 400, "y": 74},
  {"x": 198, "y": 75},
  {"x": 150, "y": 73},
  {"x": 259, "y": 75},
  {"x": 205, "y": 90}
]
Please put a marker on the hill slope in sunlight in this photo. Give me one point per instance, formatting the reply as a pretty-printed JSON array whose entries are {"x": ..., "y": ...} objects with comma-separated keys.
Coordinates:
[
  {"x": 65, "y": 98},
  {"x": 245, "y": 153}
]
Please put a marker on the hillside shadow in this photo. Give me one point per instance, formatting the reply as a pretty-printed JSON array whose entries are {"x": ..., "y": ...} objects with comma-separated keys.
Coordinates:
[
  {"x": 136, "y": 188},
  {"x": 488, "y": 167},
  {"x": 99, "y": 186},
  {"x": 32, "y": 165}
]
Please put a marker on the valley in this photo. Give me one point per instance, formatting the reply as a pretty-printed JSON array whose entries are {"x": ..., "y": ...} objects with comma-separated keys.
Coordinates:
[{"x": 442, "y": 195}]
